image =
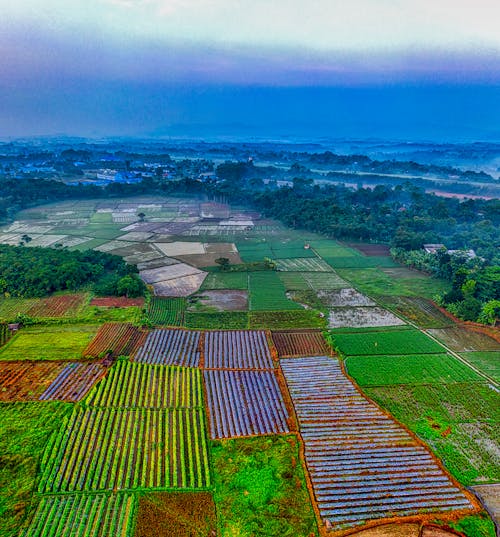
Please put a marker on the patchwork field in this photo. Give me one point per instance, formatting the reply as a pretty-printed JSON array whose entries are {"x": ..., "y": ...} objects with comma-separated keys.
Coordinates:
[
  {"x": 315, "y": 264},
  {"x": 170, "y": 347},
  {"x": 344, "y": 297},
  {"x": 459, "y": 338},
  {"x": 418, "y": 310},
  {"x": 237, "y": 350},
  {"x": 293, "y": 343},
  {"x": 487, "y": 362},
  {"x": 361, "y": 316},
  {"x": 219, "y": 300},
  {"x": 224, "y": 320},
  {"x": 267, "y": 292},
  {"x": 114, "y": 339},
  {"x": 25, "y": 381},
  {"x": 166, "y": 311}
]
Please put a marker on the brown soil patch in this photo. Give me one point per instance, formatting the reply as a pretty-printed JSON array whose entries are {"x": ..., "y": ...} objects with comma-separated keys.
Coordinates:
[
  {"x": 208, "y": 259},
  {"x": 296, "y": 343},
  {"x": 26, "y": 381},
  {"x": 179, "y": 514},
  {"x": 460, "y": 339},
  {"x": 490, "y": 496},
  {"x": 222, "y": 300},
  {"x": 117, "y": 302},
  {"x": 371, "y": 250},
  {"x": 391, "y": 530}
]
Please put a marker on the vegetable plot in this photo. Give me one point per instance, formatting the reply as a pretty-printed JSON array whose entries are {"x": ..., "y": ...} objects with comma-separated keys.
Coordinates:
[
  {"x": 170, "y": 347},
  {"x": 363, "y": 465},
  {"x": 118, "y": 339},
  {"x": 291, "y": 343}
]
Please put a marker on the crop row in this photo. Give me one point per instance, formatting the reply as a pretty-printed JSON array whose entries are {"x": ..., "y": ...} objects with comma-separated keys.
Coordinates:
[
  {"x": 117, "y": 339},
  {"x": 244, "y": 403},
  {"x": 267, "y": 292},
  {"x": 170, "y": 347},
  {"x": 57, "y": 306},
  {"x": 21, "y": 381},
  {"x": 73, "y": 382},
  {"x": 5, "y": 334},
  {"x": 130, "y": 385},
  {"x": 167, "y": 311},
  {"x": 237, "y": 350},
  {"x": 291, "y": 343},
  {"x": 116, "y": 449},
  {"x": 363, "y": 465},
  {"x": 88, "y": 515}
]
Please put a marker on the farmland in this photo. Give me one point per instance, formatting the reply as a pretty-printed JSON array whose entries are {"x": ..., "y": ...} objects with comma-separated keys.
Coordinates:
[
  {"x": 460, "y": 339},
  {"x": 166, "y": 311},
  {"x": 25, "y": 381},
  {"x": 290, "y": 343},
  {"x": 115, "y": 339},
  {"x": 237, "y": 350},
  {"x": 170, "y": 347},
  {"x": 224, "y": 320},
  {"x": 267, "y": 292}
]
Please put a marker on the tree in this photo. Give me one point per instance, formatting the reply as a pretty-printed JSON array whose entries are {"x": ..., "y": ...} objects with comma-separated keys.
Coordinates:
[
  {"x": 130, "y": 286},
  {"x": 25, "y": 239},
  {"x": 223, "y": 263},
  {"x": 141, "y": 216},
  {"x": 490, "y": 312}
]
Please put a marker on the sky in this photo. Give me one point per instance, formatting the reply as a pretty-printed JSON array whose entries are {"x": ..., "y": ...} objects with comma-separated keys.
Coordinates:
[{"x": 426, "y": 69}]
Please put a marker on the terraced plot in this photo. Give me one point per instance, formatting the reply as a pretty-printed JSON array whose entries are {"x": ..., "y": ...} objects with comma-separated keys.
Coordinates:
[
  {"x": 170, "y": 347},
  {"x": 244, "y": 403},
  {"x": 73, "y": 382},
  {"x": 117, "y": 449},
  {"x": 89, "y": 515},
  {"x": 290, "y": 343},
  {"x": 131, "y": 385},
  {"x": 363, "y": 465},
  {"x": 245, "y": 349}
]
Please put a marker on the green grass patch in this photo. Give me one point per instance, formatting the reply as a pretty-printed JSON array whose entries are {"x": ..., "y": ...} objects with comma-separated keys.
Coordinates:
[
  {"x": 11, "y": 307},
  {"x": 359, "y": 262},
  {"x": 479, "y": 525},
  {"x": 458, "y": 420},
  {"x": 53, "y": 342},
  {"x": 96, "y": 314},
  {"x": 225, "y": 280},
  {"x": 290, "y": 249},
  {"x": 294, "y": 281},
  {"x": 487, "y": 362},
  {"x": 281, "y": 320},
  {"x": 409, "y": 369},
  {"x": 223, "y": 320},
  {"x": 325, "y": 281},
  {"x": 260, "y": 488},
  {"x": 267, "y": 292},
  {"x": 254, "y": 251},
  {"x": 418, "y": 310},
  {"x": 331, "y": 248},
  {"x": 89, "y": 245},
  {"x": 392, "y": 342},
  {"x": 167, "y": 311},
  {"x": 24, "y": 431}
]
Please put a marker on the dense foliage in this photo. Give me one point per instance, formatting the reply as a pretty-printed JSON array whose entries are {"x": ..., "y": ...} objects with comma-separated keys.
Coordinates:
[{"x": 34, "y": 272}]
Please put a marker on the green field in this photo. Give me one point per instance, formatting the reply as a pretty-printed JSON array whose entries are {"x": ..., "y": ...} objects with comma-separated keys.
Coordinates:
[
  {"x": 281, "y": 320},
  {"x": 359, "y": 262},
  {"x": 10, "y": 307},
  {"x": 267, "y": 292},
  {"x": 458, "y": 420},
  {"x": 225, "y": 280},
  {"x": 390, "y": 342},
  {"x": 290, "y": 249},
  {"x": 24, "y": 431},
  {"x": 294, "y": 281},
  {"x": 260, "y": 489},
  {"x": 254, "y": 251},
  {"x": 410, "y": 369},
  {"x": 487, "y": 362},
  {"x": 53, "y": 342},
  {"x": 167, "y": 311},
  {"x": 224, "y": 320},
  {"x": 96, "y": 314},
  {"x": 418, "y": 310}
]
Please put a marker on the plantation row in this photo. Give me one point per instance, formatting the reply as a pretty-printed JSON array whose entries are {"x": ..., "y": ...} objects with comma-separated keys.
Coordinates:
[
  {"x": 237, "y": 350},
  {"x": 130, "y": 385},
  {"x": 85, "y": 515},
  {"x": 243, "y": 403},
  {"x": 363, "y": 465},
  {"x": 170, "y": 347},
  {"x": 168, "y": 311},
  {"x": 117, "y": 339},
  {"x": 73, "y": 382},
  {"x": 24, "y": 381},
  {"x": 116, "y": 449},
  {"x": 57, "y": 306},
  {"x": 292, "y": 343},
  {"x": 5, "y": 334}
]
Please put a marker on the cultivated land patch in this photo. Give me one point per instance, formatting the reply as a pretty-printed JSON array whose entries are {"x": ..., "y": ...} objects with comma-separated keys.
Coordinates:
[
  {"x": 58, "y": 306},
  {"x": 267, "y": 292},
  {"x": 244, "y": 403},
  {"x": 25, "y": 381},
  {"x": 127, "y": 449},
  {"x": 117, "y": 302},
  {"x": 74, "y": 382},
  {"x": 170, "y": 347},
  {"x": 226, "y": 280},
  {"x": 392, "y": 342},
  {"x": 344, "y": 297},
  {"x": 168, "y": 272},
  {"x": 237, "y": 350},
  {"x": 56, "y": 342},
  {"x": 417, "y": 310},
  {"x": 219, "y": 300},
  {"x": 282, "y": 320},
  {"x": 91, "y": 515},
  {"x": 180, "y": 287},
  {"x": 224, "y": 320},
  {"x": 458, "y": 338},
  {"x": 176, "y": 514},
  {"x": 369, "y": 249},
  {"x": 304, "y": 265},
  {"x": 293, "y": 343},
  {"x": 358, "y": 317},
  {"x": 167, "y": 311},
  {"x": 368, "y": 467},
  {"x": 359, "y": 262},
  {"x": 174, "y": 249},
  {"x": 324, "y": 280},
  {"x": 115, "y": 339},
  {"x": 209, "y": 260},
  {"x": 403, "y": 272},
  {"x": 382, "y": 370},
  {"x": 487, "y": 362}
]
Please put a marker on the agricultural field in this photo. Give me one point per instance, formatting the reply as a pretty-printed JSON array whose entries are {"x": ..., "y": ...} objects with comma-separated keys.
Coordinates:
[
  {"x": 73, "y": 382},
  {"x": 114, "y": 339},
  {"x": 225, "y": 280},
  {"x": 11, "y": 307},
  {"x": 359, "y": 262},
  {"x": 380, "y": 370},
  {"x": 294, "y": 343},
  {"x": 256, "y": 479},
  {"x": 224, "y": 320},
  {"x": 393, "y": 342},
  {"x": 133, "y": 385},
  {"x": 176, "y": 514},
  {"x": 283, "y": 320},
  {"x": 237, "y": 350},
  {"x": 124, "y": 449},
  {"x": 25, "y": 429},
  {"x": 387, "y": 458},
  {"x": 170, "y": 347},
  {"x": 181, "y": 286},
  {"x": 91, "y": 515},
  {"x": 166, "y": 311},
  {"x": 371, "y": 249},
  {"x": 315, "y": 264},
  {"x": 219, "y": 300},
  {"x": 326, "y": 281},
  {"x": 117, "y": 302},
  {"x": 5, "y": 334},
  {"x": 244, "y": 403},
  {"x": 52, "y": 342},
  {"x": 361, "y": 316},
  {"x": 487, "y": 362},
  {"x": 58, "y": 306},
  {"x": 344, "y": 297},
  {"x": 460, "y": 339},
  {"x": 418, "y": 310},
  {"x": 25, "y": 381},
  {"x": 267, "y": 292}
]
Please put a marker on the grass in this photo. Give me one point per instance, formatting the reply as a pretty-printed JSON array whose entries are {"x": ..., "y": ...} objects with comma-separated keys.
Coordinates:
[
  {"x": 374, "y": 282},
  {"x": 225, "y": 280},
  {"x": 410, "y": 369},
  {"x": 487, "y": 362},
  {"x": 24, "y": 431},
  {"x": 290, "y": 249},
  {"x": 260, "y": 488},
  {"x": 92, "y": 243},
  {"x": 254, "y": 251},
  {"x": 458, "y": 420},
  {"x": 391, "y": 342},
  {"x": 359, "y": 262},
  {"x": 267, "y": 292},
  {"x": 417, "y": 310},
  {"x": 55, "y": 342},
  {"x": 10, "y": 307},
  {"x": 282, "y": 320},
  {"x": 224, "y": 320},
  {"x": 479, "y": 525},
  {"x": 96, "y": 314}
]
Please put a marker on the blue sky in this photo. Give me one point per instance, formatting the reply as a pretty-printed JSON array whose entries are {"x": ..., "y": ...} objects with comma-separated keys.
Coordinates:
[{"x": 426, "y": 69}]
